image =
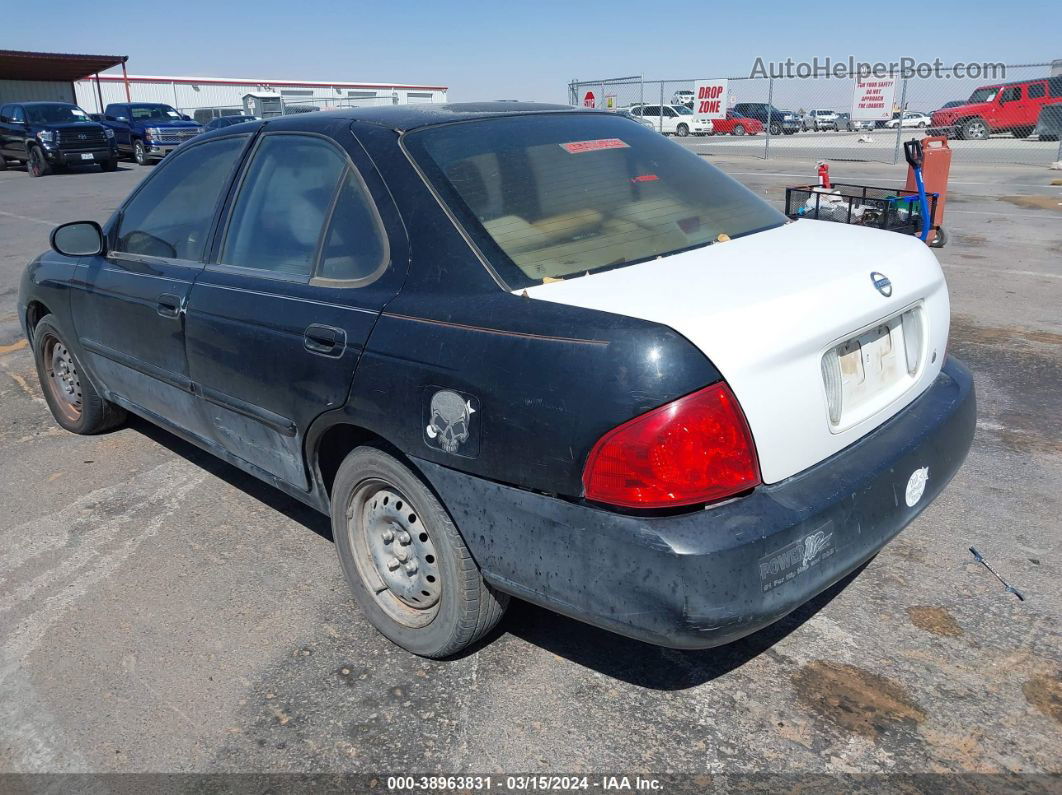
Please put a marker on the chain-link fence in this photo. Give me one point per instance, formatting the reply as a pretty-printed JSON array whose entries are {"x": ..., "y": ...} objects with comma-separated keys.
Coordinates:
[
  {"x": 280, "y": 105},
  {"x": 812, "y": 117}
]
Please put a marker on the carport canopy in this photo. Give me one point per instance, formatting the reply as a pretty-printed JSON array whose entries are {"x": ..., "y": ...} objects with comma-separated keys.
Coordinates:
[{"x": 18, "y": 65}]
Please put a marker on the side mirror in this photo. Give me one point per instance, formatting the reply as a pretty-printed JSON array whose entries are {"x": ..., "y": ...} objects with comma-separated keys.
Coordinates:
[
  {"x": 186, "y": 117},
  {"x": 122, "y": 119},
  {"x": 78, "y": 239}
]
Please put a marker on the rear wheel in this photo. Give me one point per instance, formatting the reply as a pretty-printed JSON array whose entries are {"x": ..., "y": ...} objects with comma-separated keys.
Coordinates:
[
  {"x": 73, "y": 401},
  {"x": 682, "y": 131},
  {"x": 973, "y": 129},
  {"x": 739, "y": 129},
  {"x": 37, "y": 165},
  {"x": 406, "y": 563}
]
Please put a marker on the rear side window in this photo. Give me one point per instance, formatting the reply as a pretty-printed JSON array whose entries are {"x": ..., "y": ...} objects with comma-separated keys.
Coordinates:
[
  {"x": 1037, "y": 90},
  {"x": 354, "y": 248},
  {"x": 562, "y": 195},
  {"x": 281, "y": 209},
  {"x": 171, "y": 215}
]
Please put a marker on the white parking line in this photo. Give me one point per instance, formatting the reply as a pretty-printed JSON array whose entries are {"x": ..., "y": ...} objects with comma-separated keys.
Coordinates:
[
  {"x": 27, "y": 218},
  {"x": 813, "y": 177},
  {"x": 1001, "y": 271}
]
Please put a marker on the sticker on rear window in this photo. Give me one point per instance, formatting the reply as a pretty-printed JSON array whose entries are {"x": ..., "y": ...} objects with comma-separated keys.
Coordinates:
[{"x": 575, "y": 147}]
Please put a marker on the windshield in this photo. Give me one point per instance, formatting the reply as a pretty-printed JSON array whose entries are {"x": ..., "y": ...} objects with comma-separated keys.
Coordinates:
[
  {"x": 983, "y": 95},
  {"x": 54, "y": 114},
  {"x": 154, "y": 112},
  {"x": 562, "y": 195}
]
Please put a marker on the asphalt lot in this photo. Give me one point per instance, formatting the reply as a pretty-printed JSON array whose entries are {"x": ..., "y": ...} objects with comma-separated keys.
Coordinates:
[
  {"x": 880, "y": 146},
  {"x": 161, "y": 611}
]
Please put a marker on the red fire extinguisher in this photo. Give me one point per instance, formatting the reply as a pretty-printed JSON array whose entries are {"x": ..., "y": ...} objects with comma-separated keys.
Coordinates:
[{"x": 824, "y": 175}]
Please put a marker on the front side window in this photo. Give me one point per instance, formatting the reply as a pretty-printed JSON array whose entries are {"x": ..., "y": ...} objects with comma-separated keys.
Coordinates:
[
  {"x": 563, "y": 195},
  {"x": 1011, "y": 94},
  {"x": 170, "y": 215},
  {"x": 283, "y": 203},
  {"x": 17, "y": 115}
]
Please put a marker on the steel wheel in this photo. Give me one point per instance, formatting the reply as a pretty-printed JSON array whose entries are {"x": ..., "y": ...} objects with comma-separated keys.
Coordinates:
[
  {"x": 394, "y": 553},
  {"x": 63, "y": 380}
]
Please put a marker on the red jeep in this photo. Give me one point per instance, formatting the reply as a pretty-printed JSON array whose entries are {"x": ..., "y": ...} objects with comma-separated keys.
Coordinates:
[{"x": 1006, "y": 107}]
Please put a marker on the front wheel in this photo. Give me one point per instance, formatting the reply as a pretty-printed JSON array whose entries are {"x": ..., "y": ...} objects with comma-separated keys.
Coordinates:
[
  {"x": 739, "y": 129},
  {"x": 405, "y": 561},
  {"x": 140, "y": 153},
  {"x": 38, "y": 164},
  {"x": 776, "y": 128},
  {"x": 73, "y": 401},
  {"x": 974, "y": 130},
  {"x": 682, "y": 131}
]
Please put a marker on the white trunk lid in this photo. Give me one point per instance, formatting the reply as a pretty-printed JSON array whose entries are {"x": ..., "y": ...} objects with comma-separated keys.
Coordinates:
[{"x": 766, "y": 309}]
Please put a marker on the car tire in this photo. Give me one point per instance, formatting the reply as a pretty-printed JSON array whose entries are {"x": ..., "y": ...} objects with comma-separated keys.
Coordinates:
[
  {"x": 682, "y": 131},
  {"x": 921, "y": 125},
  {"x": 428, "y": 596},
  {"x": 739, "y": 129},
  {"x": 140, "y": 153},
  {"x": 974, "y": 129},
  {"x": 109, "y": 165},
  {"x": 3, "y": 163},
  {"x": 73, "y": 401},
  {"x": 775, "y": 128},
  {"x": 37, "y": 165}
]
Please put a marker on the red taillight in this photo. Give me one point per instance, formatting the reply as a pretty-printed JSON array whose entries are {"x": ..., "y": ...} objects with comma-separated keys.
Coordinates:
[{"x": 695, "y": 449}]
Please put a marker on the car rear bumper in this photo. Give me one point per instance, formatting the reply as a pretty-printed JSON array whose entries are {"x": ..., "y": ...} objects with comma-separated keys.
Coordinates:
[{"x": 709, "y": 577}]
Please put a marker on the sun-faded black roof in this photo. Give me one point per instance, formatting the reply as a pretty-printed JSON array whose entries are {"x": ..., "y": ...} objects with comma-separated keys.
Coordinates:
[
  {"x": 409, "y": 117},
  {"x": 64, "y": 67}
]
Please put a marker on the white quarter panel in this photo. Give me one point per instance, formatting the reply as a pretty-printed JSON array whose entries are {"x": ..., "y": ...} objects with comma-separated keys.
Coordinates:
[{"x": 766, "y": 307}]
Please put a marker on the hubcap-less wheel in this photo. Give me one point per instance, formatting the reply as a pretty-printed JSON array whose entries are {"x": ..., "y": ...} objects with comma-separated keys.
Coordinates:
[
  {"x": 63, "y": 380},
  {"x": 394, "y": 553}
]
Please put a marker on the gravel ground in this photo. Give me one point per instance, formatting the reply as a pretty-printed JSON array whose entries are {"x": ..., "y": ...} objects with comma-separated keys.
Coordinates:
[{"x": 161, "y": 611}]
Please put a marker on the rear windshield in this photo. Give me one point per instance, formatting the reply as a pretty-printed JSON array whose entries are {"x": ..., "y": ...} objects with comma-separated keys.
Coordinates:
[{"x": 562, "y": 195}]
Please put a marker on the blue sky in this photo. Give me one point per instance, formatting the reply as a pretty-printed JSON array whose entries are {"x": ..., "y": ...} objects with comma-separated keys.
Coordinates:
[{"x": 492, "y": 50}]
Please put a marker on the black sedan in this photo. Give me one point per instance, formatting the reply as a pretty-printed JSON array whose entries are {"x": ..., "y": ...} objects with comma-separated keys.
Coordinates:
[
  {"x": 518, "y": 350},
  {"x": 227, "y": 121}
]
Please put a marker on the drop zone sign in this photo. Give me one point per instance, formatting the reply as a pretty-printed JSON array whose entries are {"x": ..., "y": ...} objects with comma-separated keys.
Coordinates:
[
  {"x": 873, "y": 99},
  {"x": 709, "y": 99}
]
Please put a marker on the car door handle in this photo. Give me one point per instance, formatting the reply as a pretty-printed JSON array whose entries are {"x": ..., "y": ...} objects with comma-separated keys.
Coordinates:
[
  {"x": 324, "y": 340},
  {"x": 169, "y": 305}
]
